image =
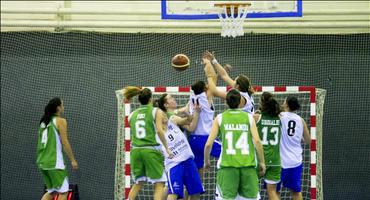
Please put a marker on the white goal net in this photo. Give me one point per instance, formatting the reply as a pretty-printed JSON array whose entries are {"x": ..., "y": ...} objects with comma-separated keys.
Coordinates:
[{"x": 311, "y": 100}]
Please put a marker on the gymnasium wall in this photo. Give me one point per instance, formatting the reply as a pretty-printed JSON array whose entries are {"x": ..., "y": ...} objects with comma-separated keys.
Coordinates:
[
  {"x": 319, "y": 17},
  {"x": 85, "y": 69}
]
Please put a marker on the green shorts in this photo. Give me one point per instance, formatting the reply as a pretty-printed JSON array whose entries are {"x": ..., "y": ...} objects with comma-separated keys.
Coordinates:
[
  {"x": 272, "y": 175},
  {"x": 233, "y": 181},
  {"x": 147, "y": 165},
  {"x": 54, "y": 179}
]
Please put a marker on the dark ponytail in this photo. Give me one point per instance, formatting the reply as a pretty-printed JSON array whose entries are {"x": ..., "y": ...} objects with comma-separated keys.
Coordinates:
[
  {"x": 161, "y": 101},
  {"x": 50, "y": 110},
  {"x": 269, "y": 105}
]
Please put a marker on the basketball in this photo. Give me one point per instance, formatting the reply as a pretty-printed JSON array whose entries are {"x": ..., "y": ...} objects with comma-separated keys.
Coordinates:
[{"x": 180, "y": 62}]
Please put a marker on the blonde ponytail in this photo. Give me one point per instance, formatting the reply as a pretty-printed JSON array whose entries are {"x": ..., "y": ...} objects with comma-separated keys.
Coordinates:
[{"x": 131, "y": 91}]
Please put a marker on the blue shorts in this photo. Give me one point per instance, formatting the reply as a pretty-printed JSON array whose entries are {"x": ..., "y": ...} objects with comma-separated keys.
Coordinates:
[
  {"x": 185, "y": 173},
  {"x": 197, "y": 143},
  {"x": 291, "y": 178}
]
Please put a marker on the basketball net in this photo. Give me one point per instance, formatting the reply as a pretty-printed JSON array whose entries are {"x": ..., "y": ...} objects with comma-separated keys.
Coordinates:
[{"x": 232, "y": 16}]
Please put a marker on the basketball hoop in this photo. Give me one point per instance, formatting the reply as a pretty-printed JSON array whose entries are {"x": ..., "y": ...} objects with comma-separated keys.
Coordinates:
[{"x": 232, "y": 16}]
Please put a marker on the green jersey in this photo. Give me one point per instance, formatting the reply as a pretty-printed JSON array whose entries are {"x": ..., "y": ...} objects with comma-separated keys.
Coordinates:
[
  {"x": 49, "y": 147},
  {"x": 236, "y": 137},
  {"x": 270, "y": 133},
  {"x": 142, "y": 124}
]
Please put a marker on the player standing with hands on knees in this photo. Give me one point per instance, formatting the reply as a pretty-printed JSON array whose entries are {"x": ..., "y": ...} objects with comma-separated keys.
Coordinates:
[
  {"x": 236, "y": 173},
  {"x": 294, "y": 129},
  {"x": 52, "y": 139},
  {"x": 181, "y": 169},
  {"x": 269, "y": 129},
  {"x": 147, "y": 161},
  {"x": 241, "y": 83}
]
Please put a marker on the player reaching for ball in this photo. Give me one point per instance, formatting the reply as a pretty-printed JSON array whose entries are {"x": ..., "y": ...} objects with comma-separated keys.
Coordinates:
[
  {"x": 146, "y": 158},
  {"x": 241, "y": 83},
  {"x": 197, "y": 139}
]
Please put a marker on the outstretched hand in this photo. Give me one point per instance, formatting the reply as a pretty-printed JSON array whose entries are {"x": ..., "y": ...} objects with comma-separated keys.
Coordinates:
[
  {"x": 205, "y": 61},
  {"x": 208, "y": 55},
  {"x": 227, "y": 68}
]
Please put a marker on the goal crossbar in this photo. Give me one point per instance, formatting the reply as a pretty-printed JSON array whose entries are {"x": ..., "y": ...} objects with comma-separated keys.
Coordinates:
[{"x": 122, "y": 170}]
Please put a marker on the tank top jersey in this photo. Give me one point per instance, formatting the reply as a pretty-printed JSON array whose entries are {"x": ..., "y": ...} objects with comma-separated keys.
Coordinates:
[
  {"x": 236, "y": 137},
  {"x": 143, "y": 130},
  {"x": 178, "y": 144},
  {"x": 206, "y": 114},
  {"x": 291, "y": 137},
  {"x": 269, "y": 130},
  {"x": 249, "y": 104},
  {"x": 49, "y": 147}
]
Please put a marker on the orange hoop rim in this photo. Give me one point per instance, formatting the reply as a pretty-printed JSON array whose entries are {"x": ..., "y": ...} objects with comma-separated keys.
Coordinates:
[{"x": 236, "y": 5}]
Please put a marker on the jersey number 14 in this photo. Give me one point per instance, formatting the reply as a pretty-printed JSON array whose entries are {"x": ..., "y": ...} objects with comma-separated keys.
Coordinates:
[{"x": 241, "y": 143}]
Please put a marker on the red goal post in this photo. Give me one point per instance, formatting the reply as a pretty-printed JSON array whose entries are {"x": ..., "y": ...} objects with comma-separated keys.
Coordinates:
[{"x": 123, "y": 182}]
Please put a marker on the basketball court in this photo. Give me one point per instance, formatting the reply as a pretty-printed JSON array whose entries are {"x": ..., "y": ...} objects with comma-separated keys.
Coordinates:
[{"x": 86, "y": 52}]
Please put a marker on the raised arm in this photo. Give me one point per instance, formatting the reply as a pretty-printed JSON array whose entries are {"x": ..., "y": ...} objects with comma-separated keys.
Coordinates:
[
  {"x": 194, "y": 120},
  {"x": 258, "y": 147},
  {"x": 159, "y": 119},
  {"x": 62, "y": 126},
  {"x": 306, "y": 133},
  {"x": 220, "y": 70},
  {"x": 210, "y": 74},
  {"x": 211, "y": 138}
]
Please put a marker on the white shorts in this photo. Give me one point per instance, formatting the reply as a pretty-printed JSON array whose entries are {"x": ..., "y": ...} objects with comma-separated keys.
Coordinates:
[{"x": 64, "y": 188}]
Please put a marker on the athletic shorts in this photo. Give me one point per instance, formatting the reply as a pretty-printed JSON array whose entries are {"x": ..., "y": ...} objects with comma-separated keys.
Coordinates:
[
  {"x": 197, "y": 143},
  {"x": 291, "y": 178},
  {"x": 185, "y": 173},
  {"x": 55, "y": 180},
  {"x": 272, "y": 175},
  {"x": 147, "y": 165},
  {"x": 232, "y": 182}
]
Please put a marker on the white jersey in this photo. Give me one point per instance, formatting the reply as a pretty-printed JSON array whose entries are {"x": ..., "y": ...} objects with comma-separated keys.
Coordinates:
[
  {"x": 178, "y": 144},
  {"x": 291, "y": 140},
  {"x": 249, "y": 103},
  {"x": 206, "y": 114}
]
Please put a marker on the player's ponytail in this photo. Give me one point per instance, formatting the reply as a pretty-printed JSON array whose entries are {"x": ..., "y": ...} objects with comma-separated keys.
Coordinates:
[
  {"x": 144, "y": 94},
  {"x": 50, "y": 110},
  {"x": 244, "y": 84},
  {"x": 130, "y": 92},
  {"x": 161, "y": 101},
  {"x": 269, "y": 104}
]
